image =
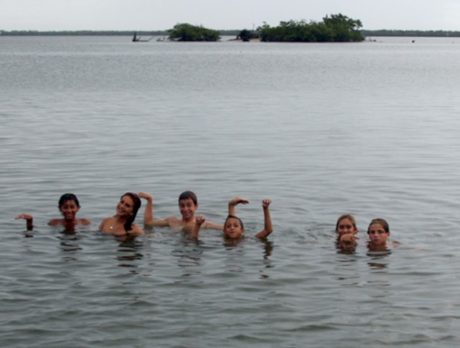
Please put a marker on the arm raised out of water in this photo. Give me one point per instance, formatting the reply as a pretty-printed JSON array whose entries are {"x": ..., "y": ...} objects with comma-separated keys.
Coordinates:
[
  {"x": 234, "y": 202},
  {"x": 199, "y": 220},
  {"x": 268, "y": 228},
  {"x": 29, "y": 220},
  {"x": 149, "y": 220}
]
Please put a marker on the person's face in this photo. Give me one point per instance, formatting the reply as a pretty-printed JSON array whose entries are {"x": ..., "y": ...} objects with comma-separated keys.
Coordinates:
[
  {"x": 187, "y": 208},
  {"x": 377, "y": 234},
  {"x": 346, "y": 226},
  {"x": 126, "y": 206},
  {"x": 69, "y": 209},
  {"x": 233, "y": 229}
]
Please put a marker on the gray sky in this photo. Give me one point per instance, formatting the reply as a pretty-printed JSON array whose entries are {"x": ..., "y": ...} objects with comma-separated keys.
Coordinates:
[{"x": 222, "y": 14}]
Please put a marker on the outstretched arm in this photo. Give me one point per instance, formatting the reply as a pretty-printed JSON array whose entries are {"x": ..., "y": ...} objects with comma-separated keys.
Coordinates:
[
  {"x": 29, "y": 220},
  {"x": 234, "y": 202},
  {"x": 267, "y": 220},
  {"x": 149, "y": 221},
  {"x": 199, "y": 220},
  {"x": 212, "y": 226}
]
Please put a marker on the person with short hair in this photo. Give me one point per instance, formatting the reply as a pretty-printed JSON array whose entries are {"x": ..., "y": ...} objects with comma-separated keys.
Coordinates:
[
  {"x": 233, "y": 226},
  {"x": 188, "y": 204},
  {"x": 69, "y": 206}
]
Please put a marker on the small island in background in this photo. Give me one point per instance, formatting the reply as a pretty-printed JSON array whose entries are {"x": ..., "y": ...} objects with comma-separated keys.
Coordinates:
[{"x": 333, "y": 28}]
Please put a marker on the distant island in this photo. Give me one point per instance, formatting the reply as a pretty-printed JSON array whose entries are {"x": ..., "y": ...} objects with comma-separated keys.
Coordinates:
[{"x": 333, "y": 28}]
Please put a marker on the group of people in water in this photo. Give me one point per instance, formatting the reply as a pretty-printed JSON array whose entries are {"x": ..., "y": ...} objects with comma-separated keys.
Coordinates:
[
  {"x": 122, "y": 225},
  {"x": 378, "y": 233}
]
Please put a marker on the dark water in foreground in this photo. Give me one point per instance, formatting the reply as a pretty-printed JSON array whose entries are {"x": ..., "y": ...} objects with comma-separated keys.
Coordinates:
[{"x": 368, "y": 128}]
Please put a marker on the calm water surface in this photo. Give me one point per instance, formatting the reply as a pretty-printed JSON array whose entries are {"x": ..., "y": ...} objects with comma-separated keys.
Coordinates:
[{"x": 322, "y": 129}]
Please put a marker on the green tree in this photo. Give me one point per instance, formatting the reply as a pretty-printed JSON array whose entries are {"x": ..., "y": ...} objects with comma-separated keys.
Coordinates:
[
  {"x": 336, "y": 28},
  {"x": 245, "y": 35},
  {"x": 344, "y": 28},
  {"x": 188, "y": 32}
]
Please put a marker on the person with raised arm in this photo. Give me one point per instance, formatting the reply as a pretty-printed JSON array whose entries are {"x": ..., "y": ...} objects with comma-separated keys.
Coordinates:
[
  {"x": 69, "y": 206},
  {"x": 122, "y": 223},
  {"x": 233, "y": 226},
  {"x": 188, "y": 204}
]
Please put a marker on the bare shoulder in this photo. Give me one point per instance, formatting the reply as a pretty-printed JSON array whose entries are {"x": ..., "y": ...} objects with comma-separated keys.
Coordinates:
[
  {"x": 104, "y": 223},
  {"x": 84, "y": 221},
  {"x": 55, "y": 222}
]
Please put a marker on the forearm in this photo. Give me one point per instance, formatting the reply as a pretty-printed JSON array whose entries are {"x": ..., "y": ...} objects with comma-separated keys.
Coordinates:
[
  {"x": 30, "y": 224},
  {"x": 268, "y": 228},
  {"x": 148, "y": 214},
  {"x": 267, "y": 221},
  {"x": 231, "y": 209},
  {"x": 213, "y": 226},
  {"x": 195, "y": 231}
]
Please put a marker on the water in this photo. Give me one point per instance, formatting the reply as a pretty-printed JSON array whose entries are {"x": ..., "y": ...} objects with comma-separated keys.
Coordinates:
[{"x": 321, "y": 129}]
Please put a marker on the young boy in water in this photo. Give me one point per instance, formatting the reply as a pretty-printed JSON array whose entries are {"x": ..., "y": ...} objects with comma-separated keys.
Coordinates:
[
  {"x": 188, "y": 204},
  {"x": 233, "y": 226},
  {"x": 68, "y": 206}
]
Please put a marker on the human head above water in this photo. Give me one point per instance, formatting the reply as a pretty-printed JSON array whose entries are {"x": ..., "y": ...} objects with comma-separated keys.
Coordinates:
[
  {"x": 68, "y": 197},
  {"x": 381, "y": 222},
  {"x": 343, "y": 226},
  {"x": 136, "y": 205},
  {"x": 188, "y": 195},
  {"x": 233, "y": 227}
]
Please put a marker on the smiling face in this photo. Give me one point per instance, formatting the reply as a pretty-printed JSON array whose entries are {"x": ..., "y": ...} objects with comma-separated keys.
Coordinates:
[
  {"x": 187, "y": 208},
  {"x": 345, "y": 225},
  {"x": 69, "y": 210},
  {"x": 377, "y": 234},
  {"x": 125, "y": 206},
  {"x": 233, "y": 228}
]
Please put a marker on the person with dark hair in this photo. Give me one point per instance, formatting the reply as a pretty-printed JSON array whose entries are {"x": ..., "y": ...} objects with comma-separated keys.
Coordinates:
[
  {"x": 379, "y": 236},
  {"x": 122, "y": 223},
  {"x": 233, "y": 226},
  {"x": 188, "y": 204},
  {"x": 68, "y": 206}
]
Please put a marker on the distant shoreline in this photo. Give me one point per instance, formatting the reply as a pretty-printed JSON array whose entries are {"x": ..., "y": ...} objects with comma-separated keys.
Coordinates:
[{"x": 366, "y": 33}]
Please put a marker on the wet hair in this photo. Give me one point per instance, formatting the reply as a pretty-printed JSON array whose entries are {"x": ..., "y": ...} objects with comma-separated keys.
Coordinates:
[
  {"x": 345, "y": 216},
  {"x": 187, "y": 195},
  {"x": 234, "y": 217},
  {"x": 68, "y": 197},
  {"x": 137, "y": 204},
  {"x": 381, "y": 222}
]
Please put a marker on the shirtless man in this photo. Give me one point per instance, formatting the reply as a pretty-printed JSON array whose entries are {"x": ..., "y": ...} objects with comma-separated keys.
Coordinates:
[{"x": 188, "y": 204}]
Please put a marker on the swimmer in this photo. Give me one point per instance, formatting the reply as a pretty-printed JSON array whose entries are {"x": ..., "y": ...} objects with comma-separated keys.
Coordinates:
[
  {"x": 346, "y": 231},
  {"x": 68, "y": 206},
  {"x": 188, "y": 204},
  {"x": 233, "y": 226},
  {"x": 122, "y": 223},
  {"x": 379, "y": 234}
]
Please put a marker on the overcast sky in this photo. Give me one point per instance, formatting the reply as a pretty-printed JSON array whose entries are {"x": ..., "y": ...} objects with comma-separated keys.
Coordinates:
[{"x": 222, "y": 14}]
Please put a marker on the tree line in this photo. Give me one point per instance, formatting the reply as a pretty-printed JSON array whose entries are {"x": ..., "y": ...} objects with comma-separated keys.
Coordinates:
[{"x": 333, "y": 28}]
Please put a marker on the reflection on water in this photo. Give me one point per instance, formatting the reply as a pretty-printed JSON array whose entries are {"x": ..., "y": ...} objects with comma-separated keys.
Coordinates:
[{"x": 129, "y": 251}]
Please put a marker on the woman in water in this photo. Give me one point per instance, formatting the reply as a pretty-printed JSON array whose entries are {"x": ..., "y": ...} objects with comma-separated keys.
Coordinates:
[
  {"x": 233, "y": 226},
  {"x": 346, "y": 231},
  {"x": 122, "y": 223},
  {"x": 68, "y": 206},
  {"x": 379, "y": 236}
]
